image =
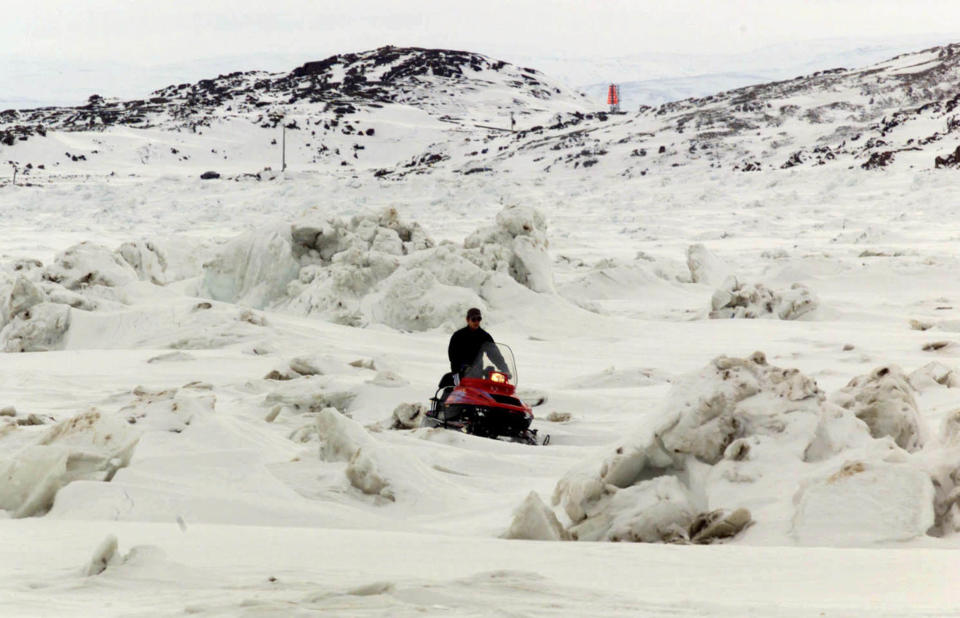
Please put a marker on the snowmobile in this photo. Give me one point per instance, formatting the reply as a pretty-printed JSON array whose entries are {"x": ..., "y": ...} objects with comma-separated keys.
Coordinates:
[{"x": 481, "y": 400}]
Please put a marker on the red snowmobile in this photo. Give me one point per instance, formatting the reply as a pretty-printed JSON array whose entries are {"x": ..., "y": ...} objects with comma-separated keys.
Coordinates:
[{"x": 482, "y": 402}]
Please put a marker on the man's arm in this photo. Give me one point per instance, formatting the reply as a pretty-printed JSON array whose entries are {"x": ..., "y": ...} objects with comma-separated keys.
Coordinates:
[{"x": 451, "y": 348}]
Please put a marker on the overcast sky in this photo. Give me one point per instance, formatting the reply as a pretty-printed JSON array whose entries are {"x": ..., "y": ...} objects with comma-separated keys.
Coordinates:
[
  {"x": 167, "y": 31},
  {"x": 145, "y": 33}
]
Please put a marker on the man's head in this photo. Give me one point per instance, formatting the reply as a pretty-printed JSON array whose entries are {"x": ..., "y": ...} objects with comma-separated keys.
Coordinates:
[{"x": 473, "y": 318}]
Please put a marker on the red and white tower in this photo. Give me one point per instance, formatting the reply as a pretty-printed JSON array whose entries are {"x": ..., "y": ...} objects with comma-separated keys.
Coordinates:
[{"x": 613, "y": 98}]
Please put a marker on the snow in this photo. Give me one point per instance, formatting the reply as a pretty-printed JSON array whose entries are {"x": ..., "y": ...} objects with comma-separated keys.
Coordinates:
[{"x": 210, "y": 397}]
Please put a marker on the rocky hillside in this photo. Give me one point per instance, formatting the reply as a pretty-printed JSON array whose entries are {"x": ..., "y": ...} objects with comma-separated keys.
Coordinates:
[
  {"x": 903, "y": 111},
  {"x": 393, "y": 111},
  {"x": 441, "y": 81}
]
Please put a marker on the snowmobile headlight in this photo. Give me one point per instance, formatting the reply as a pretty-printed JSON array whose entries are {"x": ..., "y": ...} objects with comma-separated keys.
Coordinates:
[{"x": 498, "y": 377}]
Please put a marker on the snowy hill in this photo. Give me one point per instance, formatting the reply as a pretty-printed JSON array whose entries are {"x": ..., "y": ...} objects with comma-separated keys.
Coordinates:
[
  {"x": 362, "y": 109},
  {"x": 394, "y": 111},
  {"x": 901, "y": 112}
]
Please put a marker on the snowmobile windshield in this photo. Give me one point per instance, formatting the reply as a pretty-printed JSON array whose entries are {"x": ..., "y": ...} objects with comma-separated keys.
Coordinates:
[{"x": 494, "y": 358}]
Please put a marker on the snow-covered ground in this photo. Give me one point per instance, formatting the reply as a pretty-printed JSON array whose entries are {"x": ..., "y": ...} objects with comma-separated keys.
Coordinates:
[
  {"x": 210, "y": 389},
  {"x": 230, "y": 493}
]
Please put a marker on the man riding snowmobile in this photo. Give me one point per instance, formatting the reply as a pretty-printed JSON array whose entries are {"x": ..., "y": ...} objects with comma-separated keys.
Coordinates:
[
  {"x": 479, "y": 396},
  {"x": 465, "y": 345}
]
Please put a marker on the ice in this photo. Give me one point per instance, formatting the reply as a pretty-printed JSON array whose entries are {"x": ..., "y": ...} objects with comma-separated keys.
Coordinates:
[
  {"x": 167, "y": 409},
  {"x": 163, "y": 261},
  {"x": 716, "y": 433},
  {"x": 104, "y": 556},
  {"x": 517, "y": 245},
  {"x": 37, "y": 329},
  {"x": 22, "y": 295},
  {"x": 884, "y": 400},
  {"x": 377, "y": 269},
  {"x": 88, "y": 446},
  {"x": 534, "y": 521},
  {"x": 654, "y": 511},
  {"x": 864, "y": 503},
  {"x": 343, "y": 261},
  {"x": 340, "y": 438},
  {"x": 89, "y": 264},
  {"x": 311, "y": 394},
  {"x": 414, "y": 300},
  {"x": 934, "y": 375},
  {"x": 735, "y": 299},
  {"x": 705, "y": 266},
  {"x": 373, "y": 468},
  {"x": 408, "y": 415},
  {"x": 253, "y": 269}
]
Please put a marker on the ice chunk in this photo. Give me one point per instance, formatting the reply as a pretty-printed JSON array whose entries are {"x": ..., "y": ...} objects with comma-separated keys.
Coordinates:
[
  {"x": 932, "y": 375},
  {"x": 413, "y": 300},
  {"x": 253, "y": 269},
  {"x": 340, "y": 437},
  {"x": 372, "y": 467},
  {"x": 407, "y": 416},
  {"x": 516, "y": 245},
  {"x": 724, "y": 426},
  {"x": 884, "y": 400},
  {"x": 735, "y": 299},
  {"x": 863, "y": 503},
  {"x": 654, "y": 511},
  {"x": 334, "y": 291},
  {"x": 103, "y": 556},
  {"x": 22, "y": 295},
  {"x": 718, "y": 525},
  {"x": 705, "y": 267},
  {"x": 88, "y": 446},
  {"x": 533, "y": 520},
  {"x": 88, "y": 264},
  {"x": 37, "y": 329},
  {"x": 163, "y": 261}
]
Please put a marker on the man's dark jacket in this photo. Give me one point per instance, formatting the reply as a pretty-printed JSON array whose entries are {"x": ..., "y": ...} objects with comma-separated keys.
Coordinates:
[{"x": 464, "y": 346}]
